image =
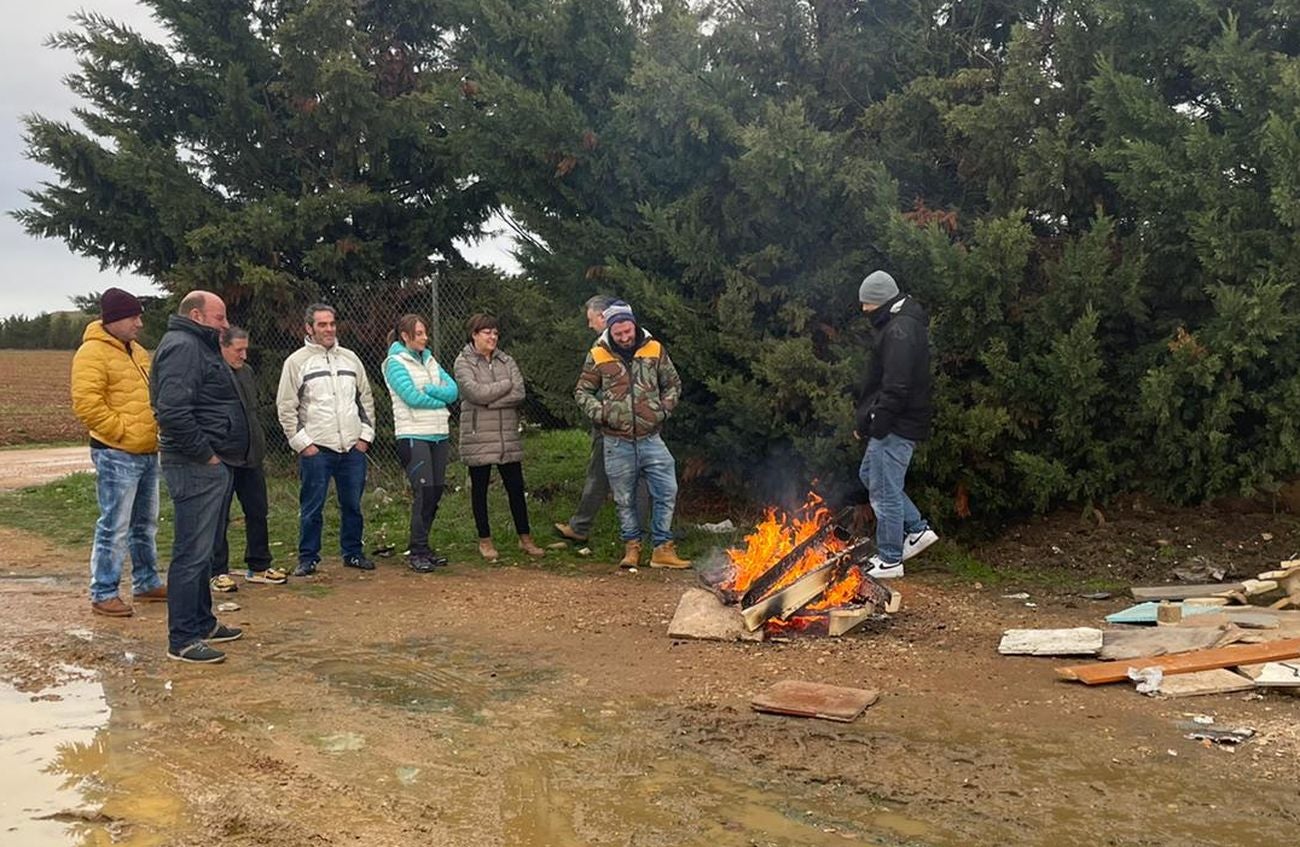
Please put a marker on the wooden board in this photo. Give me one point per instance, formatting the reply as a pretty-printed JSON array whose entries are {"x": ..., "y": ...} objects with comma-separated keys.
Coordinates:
[
  {"x": 788, "y": 599},
  {"x": 1198, "y": 660},
  {"x": 1275, "y": 674},
  {"x": 1182, "y": 592},
  {"x": 1146, "y": 613},
  {"x": 1148, "y": 641},
  {"x": 815, "y": 700},
  {"x": 1080, "y": 641},
  {"x": 700, "y": 614},
  {"x": 1217, "y": 681}
]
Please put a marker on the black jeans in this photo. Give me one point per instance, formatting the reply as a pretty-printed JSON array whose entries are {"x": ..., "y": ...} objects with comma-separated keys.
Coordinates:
[
  {"x": 426, "y": 469},
  {"x": 250, "y": 487},
  {"x": 512, "y": 477}
]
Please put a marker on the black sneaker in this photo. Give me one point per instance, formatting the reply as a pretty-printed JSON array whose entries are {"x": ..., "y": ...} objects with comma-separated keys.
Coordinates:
[
  {"x": 305, "y": 569},
  {"x": 422, "y": 563},
  {"x": 359, "y": 562},
  {"x": 198, "y": 653},
  {"x": 221, "y": 632}
]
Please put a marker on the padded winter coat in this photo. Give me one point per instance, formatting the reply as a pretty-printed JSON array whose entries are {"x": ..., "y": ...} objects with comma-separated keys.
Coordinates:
[
  {"x": 895, "y": 396},
  {"x": 194, "y": 396},
  {"x": 421, "y": 390},
  {"x": 628, "y": 399},
  {"x": 110, "y": 392},
  {"x": 324, "y": 399},
  {"x": 491, "y": 391}
]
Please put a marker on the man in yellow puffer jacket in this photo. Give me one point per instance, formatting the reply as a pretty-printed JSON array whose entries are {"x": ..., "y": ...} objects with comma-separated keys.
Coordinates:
[{"x": 110, "y": 395}]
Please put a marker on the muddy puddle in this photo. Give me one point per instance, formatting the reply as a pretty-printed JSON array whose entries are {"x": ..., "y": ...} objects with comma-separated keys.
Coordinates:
[{"x": 72, "y": 773}]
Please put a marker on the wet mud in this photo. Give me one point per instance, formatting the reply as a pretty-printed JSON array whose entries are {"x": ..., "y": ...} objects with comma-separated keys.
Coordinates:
[{"x": 512, "y": 706}]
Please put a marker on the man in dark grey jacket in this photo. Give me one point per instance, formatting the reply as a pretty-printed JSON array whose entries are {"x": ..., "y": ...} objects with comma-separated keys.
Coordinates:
[
  {"x": 201, "y": 428},
  {"x": 248, "y": 480},
  {"x": 893, "y": 414}
]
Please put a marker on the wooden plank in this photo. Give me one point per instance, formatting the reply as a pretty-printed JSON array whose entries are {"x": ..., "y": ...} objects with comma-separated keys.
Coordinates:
[
  {"x": 1079, "y": 641},
  {"x": 1132, "y": 643},
  {"x": 1198, "y": 660},
  {"x": 700, "y": 614},
  {"x": 1198, "y": 683},
  {"x": 815, "y": 700},
  {"x": 788, "y": 599},
  {"x": 1275, "y": 674},
  {"x": 1182, "y": 592},
  {"x": 1144, "y": 613}
]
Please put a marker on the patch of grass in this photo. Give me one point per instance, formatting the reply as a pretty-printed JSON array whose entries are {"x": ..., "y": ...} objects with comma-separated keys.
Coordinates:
[{"x": 555, "y": 465}]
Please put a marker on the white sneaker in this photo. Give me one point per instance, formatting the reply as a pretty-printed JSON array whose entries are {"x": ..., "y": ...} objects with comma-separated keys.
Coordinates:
[
  {"x": 881, "y": 569},
  {"x": 916, "y": 543}
]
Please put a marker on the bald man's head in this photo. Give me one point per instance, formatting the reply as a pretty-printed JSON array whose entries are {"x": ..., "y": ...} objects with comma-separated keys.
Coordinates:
[{"x": 204, "y": 307}]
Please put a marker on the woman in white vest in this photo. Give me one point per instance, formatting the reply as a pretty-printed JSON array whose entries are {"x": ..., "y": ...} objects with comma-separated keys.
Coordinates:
[{"x": 421, "y": 391}]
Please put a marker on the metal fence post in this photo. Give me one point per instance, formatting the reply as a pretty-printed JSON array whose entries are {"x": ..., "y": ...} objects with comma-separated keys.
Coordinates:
[{"x": 435, "y": 317}]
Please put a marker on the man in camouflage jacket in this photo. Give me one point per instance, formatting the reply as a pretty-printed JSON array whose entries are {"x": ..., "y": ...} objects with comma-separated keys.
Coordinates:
[{"x": 628, "y": 388}]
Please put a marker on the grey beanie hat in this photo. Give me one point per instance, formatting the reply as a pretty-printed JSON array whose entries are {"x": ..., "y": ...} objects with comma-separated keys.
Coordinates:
[{"x": 877, "y": 288}]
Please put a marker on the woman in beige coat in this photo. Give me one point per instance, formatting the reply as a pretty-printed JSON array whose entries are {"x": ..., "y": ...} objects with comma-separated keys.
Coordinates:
[{"x": 491, "y": 391}]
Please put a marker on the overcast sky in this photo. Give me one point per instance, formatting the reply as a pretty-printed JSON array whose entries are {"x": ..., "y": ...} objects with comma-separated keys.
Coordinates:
[{"x": 40, "y": 275}]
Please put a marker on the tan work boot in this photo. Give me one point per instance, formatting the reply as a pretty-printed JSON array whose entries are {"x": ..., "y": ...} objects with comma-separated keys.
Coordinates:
[
  {"x": 528, "y": 546},
  {"x": 113, "y": 607},
  {"x": 665, "y": 556},
  {"x": 566, "y": 532},
  {"x": 487, "y": 550},
  {"x": 631, "y": 554}
]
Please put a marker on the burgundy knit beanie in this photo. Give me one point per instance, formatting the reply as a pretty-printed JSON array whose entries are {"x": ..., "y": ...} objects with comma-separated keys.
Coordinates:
[{"x": 115, "y": 304}]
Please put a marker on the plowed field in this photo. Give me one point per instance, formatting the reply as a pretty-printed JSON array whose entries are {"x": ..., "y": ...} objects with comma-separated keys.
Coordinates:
[{"x": 37, "y": 407}]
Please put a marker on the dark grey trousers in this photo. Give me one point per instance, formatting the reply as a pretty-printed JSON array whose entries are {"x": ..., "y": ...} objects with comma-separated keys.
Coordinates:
[{"x": 595, "y": 491}]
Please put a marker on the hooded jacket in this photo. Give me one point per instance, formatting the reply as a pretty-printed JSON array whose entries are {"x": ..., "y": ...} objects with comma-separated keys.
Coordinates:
[
  {"x": 895, "y": 396},
  {"x": 421, "y": 390},
  {"x": 630, "y": 397},
  {"x": 110, "y": 391},
  {"x": 324, "y": 399},
  {"x": 194, "y": 396},
  {"x": 491, "y": 391}
]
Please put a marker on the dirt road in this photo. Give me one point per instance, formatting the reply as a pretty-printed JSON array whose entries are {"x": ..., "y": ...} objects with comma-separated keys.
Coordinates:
[
  {"x": 503, "y": 706},
  {"x": 39, "y": 465}
]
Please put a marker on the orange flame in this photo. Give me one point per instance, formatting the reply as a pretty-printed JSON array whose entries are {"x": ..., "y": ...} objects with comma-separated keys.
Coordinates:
[{"x": 775, "y": 536}]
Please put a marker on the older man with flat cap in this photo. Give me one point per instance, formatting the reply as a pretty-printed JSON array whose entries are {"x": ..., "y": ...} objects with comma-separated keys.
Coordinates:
[{"x": 893, "y": 414}]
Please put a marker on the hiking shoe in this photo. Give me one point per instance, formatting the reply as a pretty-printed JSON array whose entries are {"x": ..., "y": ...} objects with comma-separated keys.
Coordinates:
[
  {"x": 113, "y": 607},
  {"x": 916, "y": 543},
  {"x": 665, "y": 556},
  {"x": 153, "y": 595},
  {"x": 880, "y": 569},
  {"x": 566, "y": 532},
  {"x": 223, "y": 583},
  {"x": 270, "y": 576},
  {"x": 421, "y": 563},
  {"x": 305, "y": 569},
  {"x": 631, "y": 554},
  {"x": 360, "y": 562},
  {"x": 198, "y": 653},
  {"x": 221, "y": 632}
]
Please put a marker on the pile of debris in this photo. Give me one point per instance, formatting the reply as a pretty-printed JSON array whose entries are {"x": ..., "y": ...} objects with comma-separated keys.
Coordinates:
[
  {"x": 1185, "y": 640},
  {"x": 800, "y": 573}
]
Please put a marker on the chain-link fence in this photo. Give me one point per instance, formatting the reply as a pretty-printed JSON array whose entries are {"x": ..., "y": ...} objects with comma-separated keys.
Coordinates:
[{"x": 366, "y": 314}]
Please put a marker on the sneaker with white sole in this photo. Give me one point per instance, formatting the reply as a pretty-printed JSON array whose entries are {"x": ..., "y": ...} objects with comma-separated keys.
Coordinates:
[
  {"x": 880, "y": 569},
  {"x": 916, "y": 543},
  {"x": 270, "y": 576},
  {"x": 223, "y": 583}
]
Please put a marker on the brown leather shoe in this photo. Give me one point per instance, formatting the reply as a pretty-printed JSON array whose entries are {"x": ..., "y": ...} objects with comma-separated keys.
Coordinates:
[
  {"x": 631, "y": 554},
  {"x": 528, "y": 546},
  {"x": 153, "y": 595},
  {"x": 487, "y": 550},
  {"x": 113, "y": 607},
  {"x": 566, "y": 532},
  {"x": 665, "y": 556}
]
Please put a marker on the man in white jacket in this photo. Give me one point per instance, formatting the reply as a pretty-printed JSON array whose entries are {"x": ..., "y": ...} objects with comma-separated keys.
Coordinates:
[{"x": 328, "y": 415}]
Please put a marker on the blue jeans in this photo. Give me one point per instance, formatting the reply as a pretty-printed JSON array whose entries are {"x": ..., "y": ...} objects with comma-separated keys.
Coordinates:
[
  {"x": 883, "y": 471},
  {"x": 626, "y": 462},
  {"x": 198, "y": 491},
  {"x": 348, "y": 470},
  {"x": 126, "y": 486}
]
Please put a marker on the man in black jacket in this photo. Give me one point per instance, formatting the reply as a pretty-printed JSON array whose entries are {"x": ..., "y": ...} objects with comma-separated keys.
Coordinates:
[
  {"x": 893, "y": 414},
  {"x": 248, "y": 480},
  {"x": 201, "y": 427}
]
